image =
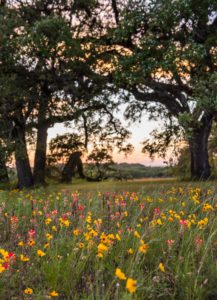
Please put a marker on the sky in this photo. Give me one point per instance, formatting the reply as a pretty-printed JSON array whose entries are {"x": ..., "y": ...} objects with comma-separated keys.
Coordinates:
[{"x": 140, "y": 132}]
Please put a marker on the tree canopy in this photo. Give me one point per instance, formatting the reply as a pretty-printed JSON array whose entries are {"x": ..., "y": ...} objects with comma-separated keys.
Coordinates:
[{"x": 77, "y": 61}]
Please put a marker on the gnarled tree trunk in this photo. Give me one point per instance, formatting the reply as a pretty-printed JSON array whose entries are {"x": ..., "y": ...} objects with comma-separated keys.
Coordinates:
[
  {"x": 4, "y": 178},
  {"x": 41, "y": 144},
  {"x": 24, "y": 173},
  {"x": 198, "y": 143},
  {"x": 40, "y": 155},
  {"x": 70, "y": 167}
]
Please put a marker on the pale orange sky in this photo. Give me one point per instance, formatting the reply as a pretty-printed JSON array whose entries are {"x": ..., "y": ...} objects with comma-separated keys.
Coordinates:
[{"x": 140, "y": 132}]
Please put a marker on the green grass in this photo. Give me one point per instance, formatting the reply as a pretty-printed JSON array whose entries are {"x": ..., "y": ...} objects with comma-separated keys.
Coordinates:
[
  {"x": 93, "y": 226},
  {"x": 142, "y": 185}
]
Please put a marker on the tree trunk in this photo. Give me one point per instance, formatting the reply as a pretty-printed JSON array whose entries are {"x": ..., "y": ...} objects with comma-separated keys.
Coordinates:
[
  {"x": 69, "y": 169},
  {"x": 80, "y": 168},
  {"x": 24, "y": 172},
  {"x": 41, "y": 144},
  {"x": 198, "y": 143},
  {"x": 4, "y": 178},
  {"x": 40, "y": 155}
]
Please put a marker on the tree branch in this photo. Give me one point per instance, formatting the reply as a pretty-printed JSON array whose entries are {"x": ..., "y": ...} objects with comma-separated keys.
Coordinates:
[
  {"x": 167, "y": 100},
  {"x": 115, "y": 10}
]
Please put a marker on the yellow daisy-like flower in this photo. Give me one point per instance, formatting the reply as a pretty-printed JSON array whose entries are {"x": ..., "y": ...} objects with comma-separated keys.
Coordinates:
[
  {"x": 24, "y": 258},
  {"x": 130, "y": 251},
  {"x": 81, "y": 245},
  {"x": 54, "y": 294},
  {"x": 28, "y": 291},
  {"x": 64, "y": 223},
  {"x": 40, "y": 253},
  {"x": 46, "y": 245},
  {"x": 202, "y": 223},
  {"x": 117, "y": 237},
  {"x": 2, "y": 269},
  {"x": 49, "y": 236},
  {"x": 21, "y": 244},
  {"x": 54, "y": 228},
  {"x": 48, "y": 221},
  {"x": 131, "y": 285},
  {"x": 136, "y": 234},
  {"x": 144, "y": 248},
  {"x": 4, "y": 253},
  {"x": 120, "y": 274},
  {"x": 102, "y": 248},
  {"x": 31, "y": 243},
  {"x": 76, "y": 232},
  {"x": 161, "y": 267},
  {"x": 100, "y": 255},
  {"x": 159, "y": 222}
]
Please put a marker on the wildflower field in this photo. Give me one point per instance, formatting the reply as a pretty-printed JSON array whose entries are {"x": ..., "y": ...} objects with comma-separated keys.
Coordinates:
[{"x": 155, "y": 243}]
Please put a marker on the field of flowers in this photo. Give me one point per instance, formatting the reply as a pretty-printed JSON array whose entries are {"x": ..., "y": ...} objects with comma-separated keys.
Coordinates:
[{"x": 159, "y": 244}]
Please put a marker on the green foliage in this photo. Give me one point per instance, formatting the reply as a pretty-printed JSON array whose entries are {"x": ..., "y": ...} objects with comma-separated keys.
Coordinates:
[
  {"x": 140, "y": 171},
  {"x": 61, "y": 147},
  {"x": 182, "y": 168},
  {"x": 99, "y": 163},
  {"x": 206, "y": 92}
]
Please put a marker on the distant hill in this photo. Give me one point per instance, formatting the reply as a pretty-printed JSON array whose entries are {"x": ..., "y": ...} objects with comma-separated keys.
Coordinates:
[
  {"x": 127, "y": 171},
  {"x": 140, "y": 171}
]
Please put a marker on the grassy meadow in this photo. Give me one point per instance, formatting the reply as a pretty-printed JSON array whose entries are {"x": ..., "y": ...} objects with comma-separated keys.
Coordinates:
[{"x": 126, "y": 240}]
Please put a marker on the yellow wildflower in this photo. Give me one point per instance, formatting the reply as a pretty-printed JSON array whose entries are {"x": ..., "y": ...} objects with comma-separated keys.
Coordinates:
[
  {"x": 64, "y": 223},
  {"x": 130, "y": 251},
  {"x": 111, "y": 236},
  {"x": 81, "y": 245},
  {"x": 207, "y": 207},
  {"x": 54, "y": 294},
  {"x": 102, "y": 248},
  {"x": 24, "y": 258},
  {"x": 120, "y": 274},
  {"x": 21, "y": 244},
  {"x": 76, "y": 231},
  {"x": 40, "y": 253},
  {"x": 118, "y": 237},
  {"x": 144, "y": 248},
  {"x": 136, "y": 234},
  {"x": 100, "y": 255},
  {"x": 54, "y": 228},
  {"x": 49, "y": 236},
  {"x": 161, "y": 267},
  {"x": 2, "y": 269},
  {"x": 202, "y": 223},
  {"x": 47, "y": 221},
  {"x": 31, "y": 243},
  {"x": 4, "y": 253},
  {"x": 28, "y": 291},
  {"x": 88, "y": 219},
  {"x": 159, "y": 222},
  {"x": 131, "y": 285}
]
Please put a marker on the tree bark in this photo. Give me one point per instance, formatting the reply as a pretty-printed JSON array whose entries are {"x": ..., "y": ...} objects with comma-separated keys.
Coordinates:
[
  {"x": 80, "y": 168},
  {"x": 24, "y": 173},
  {"x": 41, "y": 144},
  {"x": 198, "y": 143},
  {"x": 40, "y": 155},
  {"x": 70, "y": 167},
  {"x": 4, "y": 178}
]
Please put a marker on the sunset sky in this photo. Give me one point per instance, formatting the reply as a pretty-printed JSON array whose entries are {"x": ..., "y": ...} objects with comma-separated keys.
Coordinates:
[{"x": 140, "y": 132}]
